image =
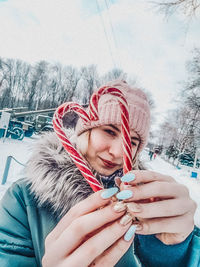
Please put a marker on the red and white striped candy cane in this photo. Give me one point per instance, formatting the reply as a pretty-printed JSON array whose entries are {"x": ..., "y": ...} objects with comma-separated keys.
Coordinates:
[
  {"x": 127, "y": 150},
  {"x": 76, "y": 157}
]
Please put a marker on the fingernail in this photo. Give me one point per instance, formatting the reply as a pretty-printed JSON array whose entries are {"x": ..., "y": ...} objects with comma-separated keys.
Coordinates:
[
  {"x": 125, "y": 194},
  {"x": 133, "y": 207},
  {"x": 126, "y": 219},
  {"x": 107, "y": 193},
  {"x": 130, "y": 233},
  {"x": 128, "y": 177},
  {"x": 119, "y": 206}
]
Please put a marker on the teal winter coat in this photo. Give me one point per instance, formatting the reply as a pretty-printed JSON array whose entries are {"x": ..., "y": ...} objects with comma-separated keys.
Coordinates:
[
  {"x": 32, "y": 207},
  {"x": 24, "y": 227}
]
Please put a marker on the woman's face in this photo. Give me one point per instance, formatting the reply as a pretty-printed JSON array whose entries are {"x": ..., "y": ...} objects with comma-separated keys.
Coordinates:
[{"x": 105, "y": 151}]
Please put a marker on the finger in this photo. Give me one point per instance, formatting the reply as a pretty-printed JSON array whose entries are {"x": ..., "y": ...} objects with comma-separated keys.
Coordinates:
[
  {"x": 163, "y": 190},
  {"x": 117, "y": 181},
  {"x": 97, "y": 244},
  {"x": 144, "y": 176},
  {"x": 179, "y": 224},
  {"x": 165, "y": 208},
  {"x": 93, "y": 202},
  {"x": 75, "y": 233},
  {"x": 112, "y": 255}
]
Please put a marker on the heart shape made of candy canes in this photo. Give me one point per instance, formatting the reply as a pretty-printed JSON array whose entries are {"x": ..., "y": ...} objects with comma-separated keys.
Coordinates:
[{"x": 92, "y": 115}]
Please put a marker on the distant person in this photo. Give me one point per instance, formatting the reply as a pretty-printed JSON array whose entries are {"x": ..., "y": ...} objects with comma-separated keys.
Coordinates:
[
  {"x": 150, "y": 154},
  {"x": 52, "y": 218}
]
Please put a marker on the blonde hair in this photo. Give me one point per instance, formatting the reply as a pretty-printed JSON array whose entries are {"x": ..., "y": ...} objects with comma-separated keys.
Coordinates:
[{"x": 82, "y": 142}]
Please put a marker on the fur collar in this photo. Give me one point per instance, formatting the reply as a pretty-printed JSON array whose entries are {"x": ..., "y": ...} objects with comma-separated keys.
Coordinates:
[{"x": 55, "y": 181}]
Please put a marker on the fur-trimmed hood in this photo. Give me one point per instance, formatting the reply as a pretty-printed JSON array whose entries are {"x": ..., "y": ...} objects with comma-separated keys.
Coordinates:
[{"x": 54, "y": 179}]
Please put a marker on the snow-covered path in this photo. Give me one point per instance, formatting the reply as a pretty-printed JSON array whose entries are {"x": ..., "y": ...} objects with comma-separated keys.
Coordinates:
[
  {"x": 182, "y": 175},
  {"x": 21, "y": 150}
]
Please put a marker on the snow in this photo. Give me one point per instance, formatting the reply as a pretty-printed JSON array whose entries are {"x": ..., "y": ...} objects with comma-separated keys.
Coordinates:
[{"x": 21, "y": 151}]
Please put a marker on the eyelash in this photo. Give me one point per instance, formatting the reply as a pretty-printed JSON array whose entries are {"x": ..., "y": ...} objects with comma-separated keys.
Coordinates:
[
  {"x": 133, "y": 144},
  {"x": 110, "y": 132}
]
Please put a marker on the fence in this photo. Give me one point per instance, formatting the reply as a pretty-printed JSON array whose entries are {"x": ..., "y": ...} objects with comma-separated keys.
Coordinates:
[{"x": 7, "y": 167}]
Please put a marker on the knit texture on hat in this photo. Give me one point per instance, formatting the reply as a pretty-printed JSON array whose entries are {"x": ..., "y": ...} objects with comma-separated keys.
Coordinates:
[{"x": 109, "y": 111}]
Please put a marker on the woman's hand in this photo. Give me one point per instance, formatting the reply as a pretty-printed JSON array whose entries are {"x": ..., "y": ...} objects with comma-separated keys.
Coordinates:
[
  {"x": 162, "y": 206},
  {"x": 91, "y": 233}
]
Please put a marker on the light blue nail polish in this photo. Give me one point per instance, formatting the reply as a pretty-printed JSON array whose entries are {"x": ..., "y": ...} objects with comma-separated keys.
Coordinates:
[
  {"x": 107, "y": 193},
  {"x": 128, "y": 177},
  {"x": 125, "y": 194},
  {"x": 129, "y": 234}
]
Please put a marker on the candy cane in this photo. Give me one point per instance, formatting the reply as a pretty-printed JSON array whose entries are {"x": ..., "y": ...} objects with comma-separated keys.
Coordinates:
[
  {"x": 127, "y": 151},
  {"x": 93, "y": 115},
  {"x": 76, "y": 157}
]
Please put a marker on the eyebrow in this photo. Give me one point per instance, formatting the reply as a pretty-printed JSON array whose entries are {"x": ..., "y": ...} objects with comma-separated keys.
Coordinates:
[
  {"x": 135, "y": 138},
  {"x": 118, "y": 130}
]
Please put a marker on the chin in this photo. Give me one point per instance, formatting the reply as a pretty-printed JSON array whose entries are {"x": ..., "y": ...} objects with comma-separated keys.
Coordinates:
[{"x": 106, "y": 172}]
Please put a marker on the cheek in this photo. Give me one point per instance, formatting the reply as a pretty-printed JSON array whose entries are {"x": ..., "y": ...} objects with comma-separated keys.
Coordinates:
[
  {"x": 97, "y": 142},
  {"x": 98, "y": 145}
]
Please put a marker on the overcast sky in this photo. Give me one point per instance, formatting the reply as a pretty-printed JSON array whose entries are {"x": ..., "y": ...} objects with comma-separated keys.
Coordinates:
[{"x": 125, "y": 33}]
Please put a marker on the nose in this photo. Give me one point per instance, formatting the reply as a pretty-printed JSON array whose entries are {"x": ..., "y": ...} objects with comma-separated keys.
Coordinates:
[{"x": 116, "y": 148}]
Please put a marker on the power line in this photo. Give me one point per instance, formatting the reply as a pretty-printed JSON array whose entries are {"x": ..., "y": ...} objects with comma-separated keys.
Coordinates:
[
  {"x": 106, "y": 35},
  {"x": 113, "y": 32}
]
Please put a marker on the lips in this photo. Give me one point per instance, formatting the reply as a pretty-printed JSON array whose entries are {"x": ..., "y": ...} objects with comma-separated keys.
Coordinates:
[{"x": 108, "y": 163}]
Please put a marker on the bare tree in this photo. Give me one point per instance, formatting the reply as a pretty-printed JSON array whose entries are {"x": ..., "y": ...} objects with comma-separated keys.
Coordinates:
[
  {"x": 90, "y": 80},
  {"x": 38, "y": 82},
  {"x": 11, "y": 78},
  {"x": 54, "y": 83},
  {"x": 187, "y": 7},
  {"x": 6, "y": 69},
  {"x": 24, "y": 83},
  {"x": 66, "y": 82},
  {"x": 191, "y": 94},
  {"x": 72, "y": 78},
  {"x": 113, "y": 74},
  {"x": 3, "y": 82},
  {"x": 183, "y": 124}
]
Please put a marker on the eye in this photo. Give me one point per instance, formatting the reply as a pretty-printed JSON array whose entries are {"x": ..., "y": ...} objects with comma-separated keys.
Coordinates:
[
  {"x": 110, "y": 132},
  {"x": 133, "y": 143}
]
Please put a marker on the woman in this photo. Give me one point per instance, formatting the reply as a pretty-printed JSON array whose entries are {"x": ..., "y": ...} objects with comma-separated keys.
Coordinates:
[{"x": 52, "y": 218}]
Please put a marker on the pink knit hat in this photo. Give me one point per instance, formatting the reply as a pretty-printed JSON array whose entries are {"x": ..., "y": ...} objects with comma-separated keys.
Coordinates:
[{"x": 109, "y": 111}]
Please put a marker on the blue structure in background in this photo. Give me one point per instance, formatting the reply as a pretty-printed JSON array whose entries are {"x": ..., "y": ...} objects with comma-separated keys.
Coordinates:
[{"x": 194, "y": 175}]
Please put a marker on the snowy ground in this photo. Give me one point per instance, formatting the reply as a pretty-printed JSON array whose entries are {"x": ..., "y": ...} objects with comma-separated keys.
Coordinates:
[{"x": 21, "y": 150}]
